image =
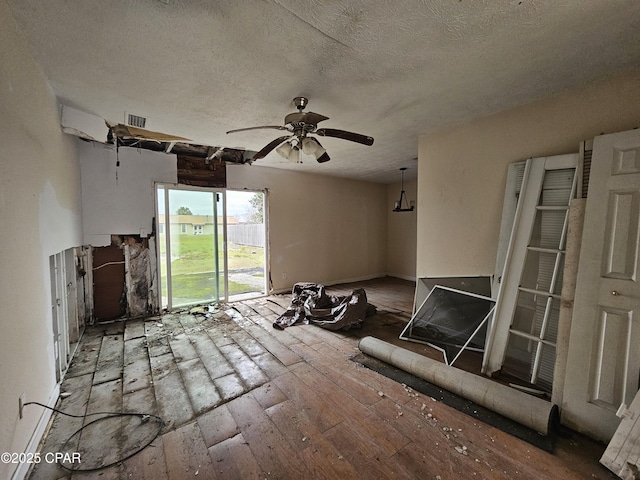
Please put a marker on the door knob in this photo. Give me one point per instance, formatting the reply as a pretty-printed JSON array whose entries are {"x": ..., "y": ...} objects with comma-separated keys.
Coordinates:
[{"x": 615, "y": 293}]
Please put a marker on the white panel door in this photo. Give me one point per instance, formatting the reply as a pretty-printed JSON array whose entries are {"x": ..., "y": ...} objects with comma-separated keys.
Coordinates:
[{"x": 603, "y": 364}]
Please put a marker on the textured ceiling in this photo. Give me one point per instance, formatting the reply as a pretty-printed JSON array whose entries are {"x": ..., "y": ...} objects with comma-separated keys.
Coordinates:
[{"x": 392, "y": 70}]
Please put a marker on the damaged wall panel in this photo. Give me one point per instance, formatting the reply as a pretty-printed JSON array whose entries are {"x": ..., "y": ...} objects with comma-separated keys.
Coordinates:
[
  {"x": 108, "y": 283},
  {"x": 118, "y": 190},
  {"x": 202, "y": 172},
  {"x": 139, "y": 292},
  {"x": 123, "y": 278}
]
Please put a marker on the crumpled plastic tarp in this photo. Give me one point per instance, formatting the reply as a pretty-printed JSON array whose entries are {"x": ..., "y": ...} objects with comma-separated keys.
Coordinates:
[{"x": 311, "y": 304}]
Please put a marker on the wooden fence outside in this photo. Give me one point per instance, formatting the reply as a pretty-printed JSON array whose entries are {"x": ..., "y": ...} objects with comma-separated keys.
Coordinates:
[{"x": 251, "y": 234}]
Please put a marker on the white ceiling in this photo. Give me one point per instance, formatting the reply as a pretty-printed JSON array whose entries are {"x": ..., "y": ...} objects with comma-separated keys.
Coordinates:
[{"x": 389, "y": 69}]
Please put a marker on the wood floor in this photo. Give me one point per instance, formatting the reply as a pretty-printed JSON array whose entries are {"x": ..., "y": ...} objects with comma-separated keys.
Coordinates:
[{"x": 242, "y": 400}]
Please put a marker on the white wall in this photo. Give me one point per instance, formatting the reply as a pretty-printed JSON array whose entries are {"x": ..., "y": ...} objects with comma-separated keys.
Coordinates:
[
  {"x": 120, "y": 200},
  {"x": 462, "y": 170},
  {"x": 40, "y": 216},
  {"x": 401, "y": 236},
  {"x": 321, "y": 229}
]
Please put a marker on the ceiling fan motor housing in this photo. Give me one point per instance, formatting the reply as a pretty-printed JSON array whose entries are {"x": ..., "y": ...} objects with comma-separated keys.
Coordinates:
[{"x": 300, "y": 102}]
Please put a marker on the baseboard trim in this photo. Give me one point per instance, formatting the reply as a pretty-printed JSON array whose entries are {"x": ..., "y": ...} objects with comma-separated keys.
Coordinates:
[
  {"x": 403, "y": 277},
  {"x": 23, "y": 468},
  {"x": 356, "y": 279},
  {"x": 334, "y": 282}
]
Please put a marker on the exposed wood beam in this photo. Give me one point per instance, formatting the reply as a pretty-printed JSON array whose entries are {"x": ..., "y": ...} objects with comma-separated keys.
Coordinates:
[{"x": 213, "y": 152}]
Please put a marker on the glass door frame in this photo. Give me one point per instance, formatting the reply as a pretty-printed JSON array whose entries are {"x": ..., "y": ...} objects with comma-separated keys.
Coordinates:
[
  {"x": 265, "y": 219},
  {"x": 166, "y": 237}
]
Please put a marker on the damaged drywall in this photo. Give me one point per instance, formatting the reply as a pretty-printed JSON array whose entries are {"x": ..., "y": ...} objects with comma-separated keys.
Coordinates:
[
  {"x": 134, "y": 293},
  {"x": 140, "y": 298}
]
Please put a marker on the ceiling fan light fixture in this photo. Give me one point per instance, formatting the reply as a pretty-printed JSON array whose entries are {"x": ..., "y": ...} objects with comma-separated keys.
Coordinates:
[
  {"x": 284, "y": 150},
  {"x": 290, "y": 150},
  {"x": 319, "y": 153},
  {"x": 294, "y": 155},
  {"x": 310, "y": 145}
]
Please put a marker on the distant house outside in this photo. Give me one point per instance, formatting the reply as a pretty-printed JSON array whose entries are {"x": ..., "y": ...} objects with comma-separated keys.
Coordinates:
[{"x": 195, "y": 224}]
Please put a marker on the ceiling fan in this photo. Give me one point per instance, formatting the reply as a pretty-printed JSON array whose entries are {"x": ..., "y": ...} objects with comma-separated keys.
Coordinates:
[{"x": 300, "y": 125}]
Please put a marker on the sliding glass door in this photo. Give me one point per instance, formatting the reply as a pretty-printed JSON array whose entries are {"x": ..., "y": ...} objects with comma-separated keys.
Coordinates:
[
  {"x": 191, "y": 245},
  {"x": 246, "y": 244}
]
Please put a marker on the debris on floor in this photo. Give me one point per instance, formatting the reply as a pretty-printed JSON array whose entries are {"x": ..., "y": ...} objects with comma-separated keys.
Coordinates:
[
  {"x": 311, "y": 304},
  {"x": 205, "y": 316}
]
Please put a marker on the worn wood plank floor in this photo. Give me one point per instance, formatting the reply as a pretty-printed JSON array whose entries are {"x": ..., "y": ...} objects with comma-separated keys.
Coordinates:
[{"x": 242, "y": 400}]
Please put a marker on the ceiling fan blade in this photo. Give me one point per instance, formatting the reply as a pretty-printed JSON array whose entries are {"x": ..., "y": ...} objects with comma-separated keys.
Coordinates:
[
  {"x": 344, "y": 135},
  {"x": 270, "y": 146},
  {"x": 320, "y": 153},
  {"x": 305, "y": 117},
  {"x": 275, "y": 127},
  {"x": 314, "y": 118},
  {"x": 323, "y": 158}
]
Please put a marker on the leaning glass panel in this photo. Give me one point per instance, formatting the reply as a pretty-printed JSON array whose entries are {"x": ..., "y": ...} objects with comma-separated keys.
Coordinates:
[{"x": 450, "y": 320}]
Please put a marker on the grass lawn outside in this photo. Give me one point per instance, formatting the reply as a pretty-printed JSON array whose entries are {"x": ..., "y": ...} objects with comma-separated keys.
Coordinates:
[
  {"x": 200, "y": 286},
  {"x": 193, "y": 267}
]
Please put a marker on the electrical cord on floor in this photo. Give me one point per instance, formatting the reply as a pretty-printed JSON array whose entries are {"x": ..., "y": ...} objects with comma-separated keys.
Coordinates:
[{"x": 144, "y": 418}]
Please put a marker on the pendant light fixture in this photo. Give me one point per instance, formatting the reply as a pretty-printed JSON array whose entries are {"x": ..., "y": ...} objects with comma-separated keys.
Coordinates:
[{"x": 403, "y": 205}]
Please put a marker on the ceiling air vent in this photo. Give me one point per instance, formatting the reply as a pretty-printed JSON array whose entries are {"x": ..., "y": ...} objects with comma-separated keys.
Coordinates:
[{"x": 136, "y": 120}]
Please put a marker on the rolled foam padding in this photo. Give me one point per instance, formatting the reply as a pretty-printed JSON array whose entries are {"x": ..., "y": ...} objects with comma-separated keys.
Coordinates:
[{"x": 527, "y": 410}]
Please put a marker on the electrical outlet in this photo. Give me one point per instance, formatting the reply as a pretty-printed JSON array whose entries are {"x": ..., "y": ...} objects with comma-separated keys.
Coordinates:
[
  {"x": 20, "y": 404},
  {"x": 284, "y": 275}
]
